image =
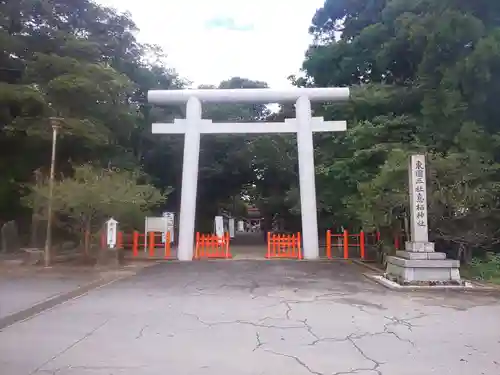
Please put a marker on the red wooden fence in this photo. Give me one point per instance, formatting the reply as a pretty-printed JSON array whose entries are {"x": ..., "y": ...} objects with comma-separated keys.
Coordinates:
[{"x": 284, "y": 246}]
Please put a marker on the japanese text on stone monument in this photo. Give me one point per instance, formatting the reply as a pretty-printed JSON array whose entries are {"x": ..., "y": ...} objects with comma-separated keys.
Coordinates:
[{"x": 419, "y": 190}]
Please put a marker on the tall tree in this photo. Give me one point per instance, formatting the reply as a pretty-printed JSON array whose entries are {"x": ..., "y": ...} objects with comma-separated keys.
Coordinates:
[
  {"x": 424, "y": 74},
  {"x": 81, "y": 62}
]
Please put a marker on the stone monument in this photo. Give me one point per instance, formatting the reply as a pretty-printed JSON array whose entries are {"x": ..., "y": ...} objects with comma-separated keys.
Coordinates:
[
  {"x": 419, "y": 263},
  {"x": 10, "y": 237}
]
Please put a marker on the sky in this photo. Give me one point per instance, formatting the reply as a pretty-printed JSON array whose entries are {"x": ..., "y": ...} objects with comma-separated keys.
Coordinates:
[{"x": 208, "y": 41}]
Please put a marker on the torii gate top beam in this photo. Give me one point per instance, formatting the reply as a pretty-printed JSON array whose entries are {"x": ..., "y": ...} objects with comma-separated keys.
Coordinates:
[{"x": 324, "y": 94}]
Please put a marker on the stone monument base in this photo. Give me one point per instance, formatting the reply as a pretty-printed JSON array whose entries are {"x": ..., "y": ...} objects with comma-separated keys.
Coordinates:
[
  {"x": 110, "y": 257},
  {"x": 411, "y": 267}
]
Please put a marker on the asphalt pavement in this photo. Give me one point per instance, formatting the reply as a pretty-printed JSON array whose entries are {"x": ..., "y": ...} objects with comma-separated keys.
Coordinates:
[{"x": 257, "y": 317}]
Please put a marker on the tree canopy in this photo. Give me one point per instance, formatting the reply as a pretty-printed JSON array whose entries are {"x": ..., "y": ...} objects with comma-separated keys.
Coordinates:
[
  {"x": 81, "y": 62},
  {"x": 425, "y": 75}
]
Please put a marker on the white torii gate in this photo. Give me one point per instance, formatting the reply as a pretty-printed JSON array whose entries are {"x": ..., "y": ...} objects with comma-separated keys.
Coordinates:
[{"x": 303, "y": 124}]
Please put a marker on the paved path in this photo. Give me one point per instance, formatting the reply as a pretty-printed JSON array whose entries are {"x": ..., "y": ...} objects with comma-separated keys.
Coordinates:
[
  {"x": 256, "y": 317},
  {"x": 20, "y": 290}
]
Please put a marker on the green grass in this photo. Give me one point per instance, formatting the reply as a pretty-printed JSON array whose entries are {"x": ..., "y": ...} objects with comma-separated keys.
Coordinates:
[{"x": 484, "y": 269}]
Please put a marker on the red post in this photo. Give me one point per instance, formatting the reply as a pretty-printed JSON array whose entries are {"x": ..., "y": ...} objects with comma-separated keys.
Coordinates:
[
  {"x": 135, "y": 243},
  {"x": 276, "y": 244},
  {"x": 298, "y": 245},
  {"x": 103, "y": 239},
  {"x": 378, "y": 236},
  {"x": 207, "y": 240},
  {"x": 213, "y": 243},
  {"x": 228, "y": 253},
  {"x": 197, "y": 248},
  {"x": 119, "y": 240},
  {"x": 346, "y": 244},
  {"x": 287, "y": 245},
  {"x": 152, "y": 244},
  {"x": 167, "y": 245},
  {"x": 207, "y": 249},
  {"x": 221, "y": 245},
  {"x": 273, "y": 245},
  {"x": 362, "y": 244},
  {"x": 275, "y": 241},
  {"x": 203, "y": 245},
  {"x": 396, "y": 242},
  {"x": 268, "y": 245},
  {"x": 329, "y": 244}
]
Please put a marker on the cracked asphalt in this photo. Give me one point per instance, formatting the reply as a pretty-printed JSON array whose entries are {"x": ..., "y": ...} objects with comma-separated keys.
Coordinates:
[{"x": 259, "y": 318}]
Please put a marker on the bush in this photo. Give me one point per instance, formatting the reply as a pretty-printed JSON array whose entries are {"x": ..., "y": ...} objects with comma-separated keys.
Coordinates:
[
  {"x": 485, "y": 269},
  {"x": 83, "y": 202}
]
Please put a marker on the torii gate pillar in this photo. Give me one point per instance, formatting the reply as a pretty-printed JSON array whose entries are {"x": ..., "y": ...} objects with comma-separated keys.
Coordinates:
[{"x": 304, "y": 125}]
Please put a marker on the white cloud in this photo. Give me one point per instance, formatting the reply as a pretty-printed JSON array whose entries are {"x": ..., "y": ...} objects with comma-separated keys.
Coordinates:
[{"x": 267, "y": 42}]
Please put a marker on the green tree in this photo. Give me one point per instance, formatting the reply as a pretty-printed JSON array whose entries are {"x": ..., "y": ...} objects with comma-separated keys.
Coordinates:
[
  {"x": 84, "y": 201},
  {"x": 82, "y": 62},
  {"x": 424, "y": 77},
  {"x": 225, "y": 159}
]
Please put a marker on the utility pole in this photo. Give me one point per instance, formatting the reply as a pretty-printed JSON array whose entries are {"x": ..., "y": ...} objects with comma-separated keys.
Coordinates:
[{"x": 55, "y": 124}]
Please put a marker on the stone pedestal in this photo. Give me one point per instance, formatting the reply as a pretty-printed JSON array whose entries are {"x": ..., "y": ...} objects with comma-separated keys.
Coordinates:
[
  {"x": 33, "y": 256},
  {"x": 411, "y": 267},
  {"x": 110, "y": 257}
]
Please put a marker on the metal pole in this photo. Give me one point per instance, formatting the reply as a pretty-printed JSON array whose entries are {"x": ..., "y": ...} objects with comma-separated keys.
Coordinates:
[{"x": 48, "y": 240}]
